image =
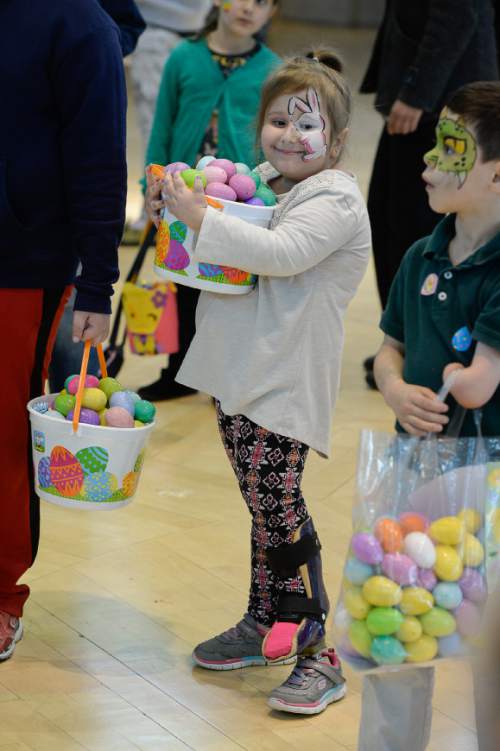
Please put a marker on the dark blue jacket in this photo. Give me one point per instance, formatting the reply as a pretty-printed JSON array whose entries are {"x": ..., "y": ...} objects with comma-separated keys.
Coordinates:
[
  {"x": 127, "y": 16},
  {"x": 62, "y": 147}
]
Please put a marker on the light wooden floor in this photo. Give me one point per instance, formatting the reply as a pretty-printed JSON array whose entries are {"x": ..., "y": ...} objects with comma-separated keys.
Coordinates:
[{"x": 119, "y": 600}]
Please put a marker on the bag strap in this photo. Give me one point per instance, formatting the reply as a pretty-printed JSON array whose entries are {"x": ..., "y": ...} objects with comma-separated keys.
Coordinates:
[{"x": 83, "y": 375}]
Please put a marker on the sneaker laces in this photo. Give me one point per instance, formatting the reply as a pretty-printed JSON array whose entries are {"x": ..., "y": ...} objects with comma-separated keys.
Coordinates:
[{"x": 301, "y": 677}]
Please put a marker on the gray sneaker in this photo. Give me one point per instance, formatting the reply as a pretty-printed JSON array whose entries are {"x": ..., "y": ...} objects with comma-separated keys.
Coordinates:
[
  {"x": 314, "y": 683},
  {"x": 238, "y": 647}
]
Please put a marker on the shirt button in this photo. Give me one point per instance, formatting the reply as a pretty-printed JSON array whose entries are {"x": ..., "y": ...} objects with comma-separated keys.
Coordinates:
[
  {"x": 442, "y": 296},
  {"x": 448, "y": 275}
]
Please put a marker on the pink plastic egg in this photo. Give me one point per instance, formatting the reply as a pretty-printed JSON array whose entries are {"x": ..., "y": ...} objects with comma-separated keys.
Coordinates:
[
  {"x": 468, "y": 618},
  {"x": 174, "y": 167},
  {"x": 255, "y": 201},
  {"x": 367, "y": 548},
  {"x": 400, "y": 568},
  {"x": 473, "y": 585},
  {"x": 243, "y": 186},
  {"x": 87, "y": 416},
  {"x": 118, "y": 417},
  {"x": 226, "y": 165},
  {"x": 91, "y": 382},
  {"x": 426, "y": 579},
  {"x": 220, "y": 190},
  {"x": 215, "y": 174}
]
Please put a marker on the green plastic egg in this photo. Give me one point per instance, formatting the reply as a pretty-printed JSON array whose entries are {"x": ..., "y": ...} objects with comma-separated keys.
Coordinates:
[
  {"x": 64, "y": 403},
  {"x": 256, "y": 178},
  {"x": 422, "y": 650},
  {"x": 266, "y": 195},
  {"x": 438, "y": 622},
  {"x": 381, "y": 592},
  {"x": 109, "y": 386},
  {"x": 190, "y": 175},
  {"x": 360, "y": 638},
  {"x": 355, "y": 603},
  {"x": 416, "y": 601},
  {"x": 387, "y": 650},
  {"x": 144, "y": 411},
  {"x": 384, "y": 621},
  {"x": 410, "y": 630}
]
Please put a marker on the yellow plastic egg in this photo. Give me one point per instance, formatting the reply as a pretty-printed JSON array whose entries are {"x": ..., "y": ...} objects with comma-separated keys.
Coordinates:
[
  {"x": 102, "y": 418},
  {"x": 94, "y": 399},
  {"x": 448, "y": 566},
  {"x": 360, "y": 638},
  {"x": 416, "y": 601},
  {"x": 410, "y": 630},
  {"x": 471, "y": 551},
  {"x": 355, "y": 603},
  {"x": 449, "y": 530},
  {"x": 422, "y": 650},
  {"x": 472, "y": 520},
  {"x": 495, "y": 523},
  {"x": 381, "y": 592}
]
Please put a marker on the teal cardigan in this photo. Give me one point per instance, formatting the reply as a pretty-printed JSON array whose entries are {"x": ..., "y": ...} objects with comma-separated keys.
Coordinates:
[{"x": 192, "y": 86}]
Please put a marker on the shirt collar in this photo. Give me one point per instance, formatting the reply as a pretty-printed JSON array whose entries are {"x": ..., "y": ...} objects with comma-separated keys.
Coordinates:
[{"x": 437, "y": 244}]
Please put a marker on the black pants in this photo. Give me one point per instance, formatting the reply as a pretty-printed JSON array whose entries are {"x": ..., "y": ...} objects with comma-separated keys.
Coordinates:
[
  {"x": 187, "y": 300},
  {"x": 397, "y": 201}
]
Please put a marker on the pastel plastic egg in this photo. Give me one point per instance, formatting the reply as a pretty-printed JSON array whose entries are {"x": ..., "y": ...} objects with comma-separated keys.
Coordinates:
[
  {"x": 94, "y": 399},
  {"x": 190, "y": 175},
  {"x": 426, "y": 578},
  {"x": 448, "y": 566},
  {"x": 255, "y": 201},
  {"x": 452, "y": 646},
  {"x": 413, "y": 521},
  {"x": 438, "y": 622},
  {"x": 471, "y": 551},
  {"x": 422, "y": 650},
  {"x": 99, "y": 486},
  {"x": 447, "y": 595},
  {"x": 449, "y": 530},
  {"x": 91, "y": 381},
  {"x": 472, "y": 519},
  {"x": 342, "y": 619},
  {"x": 109, "y": 386},
  {"x": 64, "y": 403},
  {"x": 102, "y": 417},
  {"x": 468, "y": 619},
  {"x": 66, "y": 473},
  {"x": 243, "y": 186},
  {"x": 144, "y": 411},
  {"x": 367, "y": 548},
  {"x": 205, "y": 161},
  {"x": 93, "y": 459},
  {"x": 410, "y": 629},
  {"x": 421, "y": 549},
  {"x": 133, "y": 395},
  {"x": 220, "y": 190},
  {"x": 389, "y": 534},
  {"x": 138, "y": 424},
  {"x": 360, "y": 638},
  {"x": 384, "y": 621},
  {"x": 87, "y": 416},
  {"x": 118, "y": 417},
  {"x": 356, "y": 571},
  {"x": 400, "y": 568},
  {"x": 381, "y": 592},
  {"x": 122, "y": 399},
  {"x": 387, "y": 650},
  {"x": 68, "y": 381},
  {"x": 256, "y": 178},
  {"x": 228, "y": 166},
  {"x": 214, "y": 175},
  {"x": 416, "y": 601},
  {"x": 355, "y": 603},
  {"x": 266, "y": 194},
  {"x": 44, "y": 472},
  {"x": 174, "y": 167},
  {"x": 242, "y": 169},
  {"x": 473, "y": 585}
]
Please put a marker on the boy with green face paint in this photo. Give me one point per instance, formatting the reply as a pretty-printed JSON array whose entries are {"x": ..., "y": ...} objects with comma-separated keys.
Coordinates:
[{"x": 443, "y": 315}]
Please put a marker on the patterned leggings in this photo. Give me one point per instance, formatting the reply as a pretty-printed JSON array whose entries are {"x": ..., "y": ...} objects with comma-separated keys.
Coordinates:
[{"x": 269, "y": 470}]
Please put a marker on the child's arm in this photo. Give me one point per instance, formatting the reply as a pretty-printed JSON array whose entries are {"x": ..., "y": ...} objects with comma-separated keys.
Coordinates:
[
  {"x": 474, "y": 386},
  {"x": 416, "y": 407}
]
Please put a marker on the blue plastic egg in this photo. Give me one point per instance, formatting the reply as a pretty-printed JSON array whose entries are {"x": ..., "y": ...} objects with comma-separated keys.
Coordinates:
[
  {"x": 452, "y": 646},
  {"x": 447, "y": 595},
  {"x": 387, "y": 650},
  {"x": 357, "y": 572},
  {"x": 124, "y": 400}
]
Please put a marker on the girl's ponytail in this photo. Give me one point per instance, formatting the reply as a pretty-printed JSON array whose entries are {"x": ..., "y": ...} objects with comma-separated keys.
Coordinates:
[{"x": 326, "y": 57}]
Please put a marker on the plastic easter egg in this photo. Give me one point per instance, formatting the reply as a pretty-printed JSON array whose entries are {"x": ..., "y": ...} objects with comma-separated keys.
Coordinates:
[
  {"x": 129, "y": 484},
  {"x": 421, "y": 549},
  {"x": 266, "y": 194},
  {"x": 473, "y": 585},
  {"x": 133, "y": 395},
  {"x": 472, "y": 520},
  {"x": 215, "y": 175},
  {"x": 44, "y": 472},
  {"x": 243, "y": 186},
  {"x": 99, "y": 486},
  {"x": 452, "y": 646},
  {"x": 174, "y": 167},
  {"x": 389, "y": 534},
  {"x": 367, "y": 548},
  {"x": 346, "y": 648},
  {"x": 87, "y": 416},
  {"x": 447, "y": 595},
  {"x": 449, "y": 530},
  {"x": 64, "y": 403},
  {"x": 468, "y": 619},
  {"x": 471, "y": 551},
  {"x": 190, "y": 175},
  {"x": 68, "y": 381},
  {"x": 384, "y": 621},
  {"x": 138, "y": 424},
  {"x": 122, "y": 399},
  {"x": 355, "y": 603},
  {"x": 423, "y": 650},
  {"x": 118, "y": 417},
  {"x": 438, "y": 622},
  {"x": 410, "y": 629},
  {"x": 426, "y": 578},
  {"x": 94, "y": 399},
  {"x": 256, "y": 178},
  {"x": 356, "y": 571},
  {"x": 93, "y": 459},
  {"x": 416, "y": 601},
  {"x": 360, "y": 638},
  {"x": 144, "y": 411},
  {"x": 448, "y": 566},
  {"x": 205, "y": 161},
  {"x": 102, "y": 417},
  {"x": 413, "y": 521},
  {"x": 381, "y": 592},
  {"x": 109, "y": 386},
  {"x": 254, "y": 201},
  {"x": 220, "y": 190},
  {"x": 387, "y": 650},
  {"x": 242, "y": 169},
  {"x": 400, "y": 568},
  {"x": 342, "y": 619},
  {"x": 228, "y": 166},
  {"x": 91, "y": 381},
  {"x": 66, "y": 473}
]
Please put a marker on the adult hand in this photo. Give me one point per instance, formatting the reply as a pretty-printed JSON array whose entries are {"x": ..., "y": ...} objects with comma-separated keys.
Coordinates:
[
  {"x": 417, "y": 408},
  {"x": 90, "y": 326},
  {"x": 187, "y": 205},
  {"x": 403, "y": 119}
]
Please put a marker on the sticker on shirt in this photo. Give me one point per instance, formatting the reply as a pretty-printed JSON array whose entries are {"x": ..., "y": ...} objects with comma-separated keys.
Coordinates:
[
  {"x": 462, "y": 339},
  {"x": 430, "y": 285}
]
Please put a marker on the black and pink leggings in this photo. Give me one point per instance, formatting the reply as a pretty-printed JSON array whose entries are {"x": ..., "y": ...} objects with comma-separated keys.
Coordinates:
[{"x": 269, "y": 470}]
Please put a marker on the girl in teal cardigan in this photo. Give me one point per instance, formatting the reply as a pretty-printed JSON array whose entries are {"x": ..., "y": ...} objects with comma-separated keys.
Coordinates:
[{"x": 207, "y": 103}]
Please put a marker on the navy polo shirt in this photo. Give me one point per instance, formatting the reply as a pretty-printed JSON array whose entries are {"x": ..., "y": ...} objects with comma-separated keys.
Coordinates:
[{"x": 440, "y": 311}]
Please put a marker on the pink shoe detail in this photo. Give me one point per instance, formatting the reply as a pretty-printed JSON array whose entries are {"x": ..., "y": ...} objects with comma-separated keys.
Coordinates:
[{"x": 280, "y": 641}]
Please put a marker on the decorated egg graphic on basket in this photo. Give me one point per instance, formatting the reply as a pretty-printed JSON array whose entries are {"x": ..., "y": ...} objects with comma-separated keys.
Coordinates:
[
  {"x": 99, "y": 486},
  {"x": 130, "y": 483},
  {"x": 93, "y": 459},
  {"x": 66, "y": 472},
  {"x": 44, "y": 472}
]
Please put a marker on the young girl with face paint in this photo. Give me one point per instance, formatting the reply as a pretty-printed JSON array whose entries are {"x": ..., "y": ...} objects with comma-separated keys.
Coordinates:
[{"x": 272, "y": 361}]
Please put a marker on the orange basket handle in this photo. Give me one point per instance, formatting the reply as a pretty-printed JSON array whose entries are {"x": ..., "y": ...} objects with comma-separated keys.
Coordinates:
[{"x": 83, "y": 375}]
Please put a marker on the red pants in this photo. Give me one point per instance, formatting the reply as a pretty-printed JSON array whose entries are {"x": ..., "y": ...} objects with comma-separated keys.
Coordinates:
[{"x": 29, "y": 322}]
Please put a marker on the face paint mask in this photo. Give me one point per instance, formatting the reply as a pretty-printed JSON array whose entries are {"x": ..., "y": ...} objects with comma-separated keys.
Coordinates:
[
  {"x": 455, "y": 150},
  {"x": 309, "y": 124}
]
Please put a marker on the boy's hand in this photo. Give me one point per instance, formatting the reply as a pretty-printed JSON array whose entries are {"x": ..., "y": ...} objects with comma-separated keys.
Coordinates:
[
  {"x": 417, "y": 408},
  {"x": 93, "y": 326},
  {"x": 187, "y": 205}
]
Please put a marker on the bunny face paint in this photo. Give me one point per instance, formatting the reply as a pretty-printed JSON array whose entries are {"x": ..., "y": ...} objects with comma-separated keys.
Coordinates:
[{"x": 309, "y": 123}]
